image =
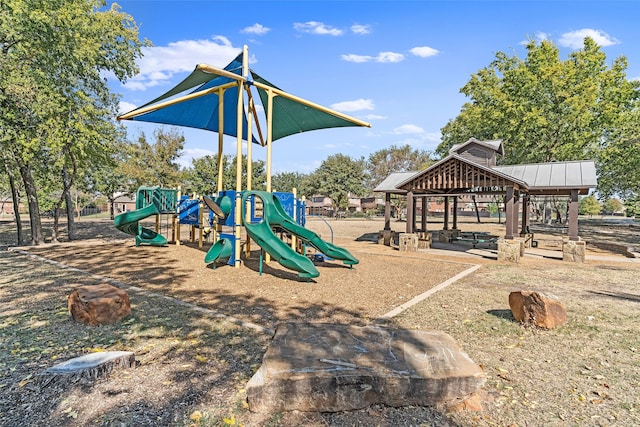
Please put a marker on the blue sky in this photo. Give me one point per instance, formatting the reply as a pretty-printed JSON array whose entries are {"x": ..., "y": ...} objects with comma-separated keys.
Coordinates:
[{"x": 398, "y": 65}]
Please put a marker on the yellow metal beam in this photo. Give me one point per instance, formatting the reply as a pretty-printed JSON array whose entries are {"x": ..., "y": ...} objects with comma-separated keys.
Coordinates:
[
  {"x": 164, "y": 104},
  {"x": 220, "y": 72}
]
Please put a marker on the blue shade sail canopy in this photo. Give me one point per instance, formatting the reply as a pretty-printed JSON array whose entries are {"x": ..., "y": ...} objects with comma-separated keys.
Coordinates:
[
  {"x": 202, "y": 110},
  {"x": 200, "y": 107}
]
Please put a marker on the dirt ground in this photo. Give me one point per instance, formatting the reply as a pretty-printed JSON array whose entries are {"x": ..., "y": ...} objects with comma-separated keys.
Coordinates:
[{"x": 194, "y": 360}]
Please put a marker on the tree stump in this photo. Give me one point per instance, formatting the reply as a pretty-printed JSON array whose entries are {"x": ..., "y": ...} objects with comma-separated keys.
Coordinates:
[{"x": 98, "y": 304}]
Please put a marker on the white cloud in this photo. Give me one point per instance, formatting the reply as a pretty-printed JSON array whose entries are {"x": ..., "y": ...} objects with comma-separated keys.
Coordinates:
[
  {"x": 361, "y": 29},
  {"x": 383, "y": 57},
  {"x": 407, "y": 129},
  {"x": 356, "y": 58},
  {"x": 375, "y": 117},
  {"x": 319, "y": 28},
  {"x": 257, "y": 29},
  {"x": 357, "y": 105},
  {"x": 575, "y": 39},
  {"x": 424, "y": 51},
  {"x": 160, "y": 63},
  {"x": 125, "y": 107}
]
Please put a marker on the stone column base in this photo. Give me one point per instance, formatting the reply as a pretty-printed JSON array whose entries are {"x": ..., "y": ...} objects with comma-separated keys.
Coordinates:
[
  {"x": 424, "y": 240},
  {"x": 574, "y": 250},
  {"x": 510, "y": 250},
  {"x": 408, "y": 242}
]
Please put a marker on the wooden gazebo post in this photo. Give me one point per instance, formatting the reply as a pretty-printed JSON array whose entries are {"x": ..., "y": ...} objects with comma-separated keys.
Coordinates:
[
  {"x": 387, "y": 211},
  {"x": 516, "y": 211},
  {"x": 410, "y": 212},
  {"x": 423, "y": 220},
  {"x": 455, "y": 213},
  {"x": 445, "y": 225},
  {"x": 509, "y": 213},
  {"x": 573, "y": 215}
]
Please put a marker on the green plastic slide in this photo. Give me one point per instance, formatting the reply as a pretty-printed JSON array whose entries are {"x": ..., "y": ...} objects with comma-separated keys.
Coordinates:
[
  {"x": 278, "y": 217},
  {"x": 263, "y": 235},
  {"x": 128, "y": 223},
  {"x": 222, "y": 249}
]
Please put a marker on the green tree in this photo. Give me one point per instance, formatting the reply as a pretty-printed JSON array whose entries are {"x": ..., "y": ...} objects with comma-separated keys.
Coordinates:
[
  {"x": 632, "y": 205},
  {"x": 544, "y": 108},
  {"x": 589, "y": 205},
  {"x": 618, "y": 162},
  {"x": 202, "y": 176},
  {"x": 54, "y": 100},
  {"x": 612, "y": 206},
  {"x": 107, "y": 177},
  {"x": 338, "y": 177},
  {"x": 287, "y": 181},
  {"x": 151, "y": 164},
  {"x": 395, "y": 159}
]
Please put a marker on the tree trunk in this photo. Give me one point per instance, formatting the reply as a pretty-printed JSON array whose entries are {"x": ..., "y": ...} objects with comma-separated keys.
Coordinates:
[
  {"x": 56, "y": 222},
  {"x": 15, "y": 197},
  {"x": 37, "y": 236},
  {"x": 68, "y": 201},
  {"x": 112, "y": 202}
]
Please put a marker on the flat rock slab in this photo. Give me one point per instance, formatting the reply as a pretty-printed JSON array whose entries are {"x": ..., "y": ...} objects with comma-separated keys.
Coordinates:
[{"x": 332, "y": 367}]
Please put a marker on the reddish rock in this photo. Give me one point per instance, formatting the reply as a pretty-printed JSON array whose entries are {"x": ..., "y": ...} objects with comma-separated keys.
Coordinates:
[
  {"x": 332, "y": 367},
  {"x": 471, "y": 403},
  {"x": 98, "y": 304},
  {"x": 535, "y": 308}
]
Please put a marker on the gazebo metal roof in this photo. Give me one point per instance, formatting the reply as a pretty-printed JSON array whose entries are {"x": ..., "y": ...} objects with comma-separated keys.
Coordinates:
[{"x": 456, "y": 174}]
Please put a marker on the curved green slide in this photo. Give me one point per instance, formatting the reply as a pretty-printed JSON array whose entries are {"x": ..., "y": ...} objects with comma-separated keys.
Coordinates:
[
  {"x": 278, "y": 217},
  {"x": 263, "y": 235},
  {"x": 222, "y": 249},
  {"x": 128, "y": 222}
]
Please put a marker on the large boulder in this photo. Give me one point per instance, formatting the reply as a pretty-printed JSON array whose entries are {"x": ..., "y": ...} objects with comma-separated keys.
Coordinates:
[
  {"x": 332, "y": 367},
  {"x": 98, "y": 304},
  {"x": 537, "y": 309}
]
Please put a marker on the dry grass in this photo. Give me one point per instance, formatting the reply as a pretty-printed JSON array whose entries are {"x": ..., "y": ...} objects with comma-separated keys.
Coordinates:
[{"x": 586, "y": 372}]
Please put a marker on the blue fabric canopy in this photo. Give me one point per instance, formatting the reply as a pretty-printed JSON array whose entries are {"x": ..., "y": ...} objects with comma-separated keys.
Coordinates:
[
  {"x": 200, "y": 112},
  {"x": 291, "y": 115}
]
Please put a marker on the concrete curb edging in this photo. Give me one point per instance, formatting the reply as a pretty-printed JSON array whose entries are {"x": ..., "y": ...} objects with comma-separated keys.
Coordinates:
[{"x": 430, "y": 292}]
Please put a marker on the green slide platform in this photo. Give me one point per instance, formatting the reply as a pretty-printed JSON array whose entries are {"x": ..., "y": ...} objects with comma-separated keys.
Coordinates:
[
  {"x": 263, "y": 235},
  {"x": 128, "y": 222}
]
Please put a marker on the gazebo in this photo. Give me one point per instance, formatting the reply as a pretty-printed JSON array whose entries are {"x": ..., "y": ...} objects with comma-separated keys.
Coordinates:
[{"x": 470, "y": 169}]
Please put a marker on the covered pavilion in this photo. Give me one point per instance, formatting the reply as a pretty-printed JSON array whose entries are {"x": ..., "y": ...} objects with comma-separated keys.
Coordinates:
[{"x": 470, "y": 169}]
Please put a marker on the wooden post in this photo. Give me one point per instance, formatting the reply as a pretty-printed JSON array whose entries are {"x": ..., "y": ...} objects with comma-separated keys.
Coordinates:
[
  {"x": 387, "y": 211},
  {"x": 516, "y": 212},
  {"x": 445, "y": 225},
  {"x": 424, "y": 213},
  {"x": 410, "y": 212},
  {"x": 509, "y": 213},
  {"x": 455, "y": 213},
  {"x": 526, "y": 220},
  {"x": 573, "y": 215},
  {"x": 413, "y": 211}
]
